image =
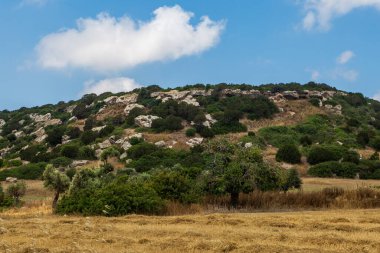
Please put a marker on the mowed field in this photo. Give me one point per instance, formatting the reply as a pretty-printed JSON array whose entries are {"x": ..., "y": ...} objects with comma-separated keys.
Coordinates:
[
  {"x": 320, "y": 231},
  {"x": 34, "y": 229}
]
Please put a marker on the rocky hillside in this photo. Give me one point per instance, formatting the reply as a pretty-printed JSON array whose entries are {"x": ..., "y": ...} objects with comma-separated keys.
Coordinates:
[{"x": 76, "y": 133}]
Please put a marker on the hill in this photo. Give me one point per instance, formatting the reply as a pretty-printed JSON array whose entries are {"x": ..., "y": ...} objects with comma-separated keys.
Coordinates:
[{"x": 280, "y": 130}]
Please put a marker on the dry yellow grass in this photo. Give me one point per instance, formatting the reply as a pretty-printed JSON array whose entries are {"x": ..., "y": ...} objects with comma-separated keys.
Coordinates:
[
  {"x": 317, "y": 184},
  {"x": 330, "y": 231}
]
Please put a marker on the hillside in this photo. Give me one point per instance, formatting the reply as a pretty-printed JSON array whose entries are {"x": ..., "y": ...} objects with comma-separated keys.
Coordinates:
[{"x": 285, "y": 129}]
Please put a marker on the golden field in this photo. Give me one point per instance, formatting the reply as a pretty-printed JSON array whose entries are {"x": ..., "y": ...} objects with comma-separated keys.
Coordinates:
[
  {"x": 33, "y": 229},
  {"x": 320, "y": 231}
]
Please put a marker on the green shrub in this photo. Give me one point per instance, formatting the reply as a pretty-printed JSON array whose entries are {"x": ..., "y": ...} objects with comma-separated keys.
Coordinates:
[
  {"x": 170, "y": 123},
  {"x": 86, "y": 153},
  {"x": 30, "y": 171},
  {"x": 1, "y": 163},
  {"x": 363, "y": 138},
  {"x": 375, "y": 143},
  {"x": 141, "y": 149},
  {"x": 190, "y": 132},
  {"x": 351, "y": 156},
  {"x": 81, "y": 111},
  {"x": 88, "y": 137},
  {"x": 306, "y": 140},
  {"x": 205, "y": 132},
  {"x": 73, "y": 132},
  {"x": 334, "y": 168},
  {"x": 289, "y": 153},
  {"x": 70, "y": 151},
  {"x": 30, "y": 153},
  {"x": 114, "y": 199},
  {"x": 279, "y": 135},
  {"x": 61, "y": 162},
  {"x": 13, "y": 163},
  {"x": 314, "y": 101},
  {"x": 106, "y": 131},
  {"x": 375, "y": 157},
  {"x": 324, "y": 153},
  {"x": 54, "y": 135}
]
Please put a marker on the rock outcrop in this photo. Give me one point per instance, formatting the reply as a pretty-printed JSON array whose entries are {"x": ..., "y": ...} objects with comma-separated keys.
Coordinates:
[{"x": 145, "y": 120}]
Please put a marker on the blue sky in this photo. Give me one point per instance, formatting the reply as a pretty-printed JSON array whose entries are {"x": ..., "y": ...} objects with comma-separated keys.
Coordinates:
[{"x": 47, "y": 55}]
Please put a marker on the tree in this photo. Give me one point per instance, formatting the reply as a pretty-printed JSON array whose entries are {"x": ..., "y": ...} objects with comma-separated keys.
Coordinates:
[
  {"x": 290, "y": 179},
  {"x": 54, "y": 135},
  {"x": 107, "y": 153},
  {"x": 57, "y": 181},
  {"x": 16, "y": 191}
]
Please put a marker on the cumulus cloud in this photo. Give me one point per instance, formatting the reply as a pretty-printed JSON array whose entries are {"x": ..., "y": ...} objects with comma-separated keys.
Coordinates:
[
  {"x": 345, "y": 74},
  {"x": 377, "y": 96},
  {"x": 345, "y": 57},
  {"x": 114, "y": 85},
  {"x": 320, "y": 13},
  {"x": 106, "y": 43},
  {"x": 315, "y": 74}
]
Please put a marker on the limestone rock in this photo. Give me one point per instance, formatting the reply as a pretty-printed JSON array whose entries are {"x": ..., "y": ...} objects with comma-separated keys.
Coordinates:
[
  {"x": 160, "y": 144},
  {"x": 11, "y": 180},
  {"x": 130, "y": 107},
  {"x": 2, "y": 123},
  {"x": 127, "y": 99},
  {"x": 194, "y": 141},
  {"x": 40, "y": 118},
  {"x": 79, "y": 163},
  {"x": 145, "y": 120},
  {"x": 105, "y": 144}
]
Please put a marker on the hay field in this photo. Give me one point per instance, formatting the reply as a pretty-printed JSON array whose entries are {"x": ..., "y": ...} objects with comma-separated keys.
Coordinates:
[{"x": 322, "y": 231}]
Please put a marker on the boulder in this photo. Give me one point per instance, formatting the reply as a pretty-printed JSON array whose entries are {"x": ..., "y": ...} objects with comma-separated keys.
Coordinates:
[
  {"x": 65, "y": 139},
  {"x": 127, "y": 99},
  {"x": 11, "y": 180},
  {"x": 105, "y": 144},
  {"x": 2, "y": 123},
  {"x": 97, "y": 129},
  {"x": 19, "y": 134},
  {"x": 194, "y": 141},
  {"x": 110, "y": 100},
  {"x": 160, "y": 144},
  {"x": 209, "y": 121},
  {"x": 123, "y": 156},
  {"x": 72, "y": 119},
  {"x": 130, "y": 107},
  {"x": 40, "y": 118},
  {"x": 126, "y": 145},
  {"x": 248, "y": 145},
  {"x": 53, "y": 122},
  {"x": 290, "y": 95},
  {"x": 190, "y": 100},
  {"x": 79, "y": 163},
  {"x": 145, "y": 120}
]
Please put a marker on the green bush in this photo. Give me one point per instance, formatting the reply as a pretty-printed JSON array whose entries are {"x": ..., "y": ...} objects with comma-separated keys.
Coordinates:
[
  {"x": 190, "y": 132},
  {"x": 306, "y": 140},
  {"x": 54, "y": 135},
  {"x": 170, "y": 123},
  {"x": 61, "y": 162},
  {"x": 86, "y": 153},
  {"x": 289, "y": 153},
  {"x": 334, "y": 168},
  {"x": 279, "y": 135},
  {"x": 141, "y": 149},
  {"x": 31, "y": 171},
  {"x": 70, "y": 151},
  {"x": 351, "y": 156},
  {"x": 114, "y": 199},
  {"x": 73, "y": 132},
  {"x": 314, "y": 101},
  {"x": 375, "y": 143},
  {"x": 325, "y": 153},
  {"x": 88, "y": 137},
  {"x": 13, "y": 163}
]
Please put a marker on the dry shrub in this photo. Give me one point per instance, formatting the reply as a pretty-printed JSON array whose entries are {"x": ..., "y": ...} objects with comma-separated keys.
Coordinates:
[{"x": 327, "y": 198}]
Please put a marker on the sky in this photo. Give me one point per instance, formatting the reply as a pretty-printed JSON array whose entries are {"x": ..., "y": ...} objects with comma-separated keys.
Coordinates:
[{"x": 58, "y": 50}]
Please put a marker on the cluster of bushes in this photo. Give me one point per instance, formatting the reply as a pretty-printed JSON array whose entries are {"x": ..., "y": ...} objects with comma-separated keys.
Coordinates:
[
  {"x": 28, "y": 172},
  {"x": 225, "y": 168}
]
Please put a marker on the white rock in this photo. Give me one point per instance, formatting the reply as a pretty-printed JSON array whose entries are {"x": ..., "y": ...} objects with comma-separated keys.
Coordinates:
[
  {"x": 194, "y": 141},
  {"x": 79, "y": 163},
  {"x": 123, "y": 156},
  {"x": 19, "y": 134},
  {"x": 130, "y": 107},
  {"x": 53, "y": 122},
  {"x": 105, "y": 144},
  {"x": 2, "y": 123},
  {"x": 110, "y": 100},
  {"x": 73, "y": 118},
  {"x": 138, "y": 136},
  {"x": 248, "y": 145},
  {"x": 126, "y": 145},
  {"x": 97, "y": 129},
  {"x": 40, "y": 118},
  {"x": 145, "y": 120},
  {"x": 160, "y": 144},
  {"x": 11, "y": 180},
  {"x": 127, "y": 99}
]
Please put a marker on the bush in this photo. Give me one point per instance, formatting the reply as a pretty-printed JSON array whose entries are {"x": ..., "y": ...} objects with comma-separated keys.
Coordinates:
[
  {"x": 81, "y": 111},
  {"x": 205, "y": 132},
  {"x": 314, "y": 101},
  {"x": 106, "y": 131},
  {"x": 73, "y": 132},
  {"x": 324, "y": 153},
  {"x": 13, "y": 163},
  {"x": 334, "y": 168},
  {"x": 30, "y": 153},
  {"x": 351, "y": 156},
  {"x": 54, "y": 135},
  {"x": 375, "y": 157},
  {"x": 114, "y": 199},
  {"x": 375, "y": 143},
  {"x": 70, "y": 151},
  {"x": 88, "y": 137},
  {"x": 30, "y": 171},
  {"x": 190, "y": 132},
  {"x": 170, "y": 123},
  {"x": 141, "y": 149},
  {"x": 363, "y": 138},
  {"x": 61, "y": 162},
  {"x": 86, "y": 153},
  {"x": 289, "y": 153},
  {"x": 16, "y": 191},
  {"x": 306, "y": 140}
]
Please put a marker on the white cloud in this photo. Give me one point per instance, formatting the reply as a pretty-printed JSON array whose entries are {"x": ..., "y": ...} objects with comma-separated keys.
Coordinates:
[
  {"x": 320, "y": 13},
  {"x": 110, "y": 44},
  {"x": 114, "y": 85},
  {"x": 345, "y": 57},
  {"x": 345, "y": 74},
  {"x": 315, "y": 74},
  {"x": 377, "y": 96}
]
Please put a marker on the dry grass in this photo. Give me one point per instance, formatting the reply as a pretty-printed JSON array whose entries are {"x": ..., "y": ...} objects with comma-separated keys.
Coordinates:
[
  {"x": 332, "y": 231},
  {"x": 317, "y": 184}
]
